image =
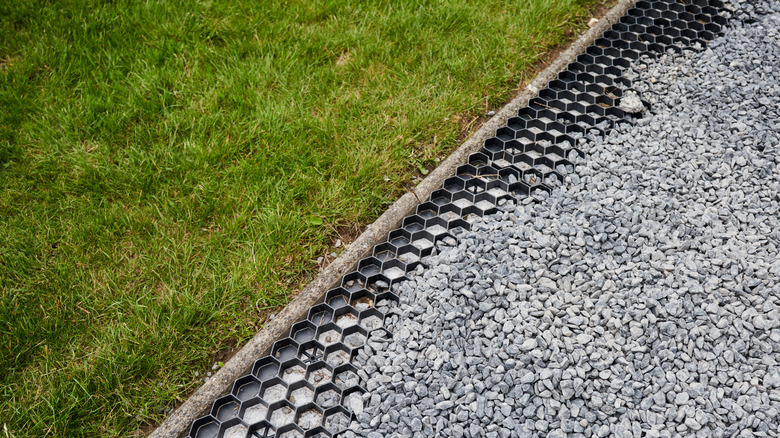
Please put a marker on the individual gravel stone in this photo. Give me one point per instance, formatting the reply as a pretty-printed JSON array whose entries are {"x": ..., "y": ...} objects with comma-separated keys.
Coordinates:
[
  {"x": 639, "y": 299},
  {"x": 631, "y": 103}
]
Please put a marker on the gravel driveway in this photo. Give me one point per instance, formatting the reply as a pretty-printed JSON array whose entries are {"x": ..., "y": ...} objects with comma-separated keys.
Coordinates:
[{"x": 641, "y": 298}]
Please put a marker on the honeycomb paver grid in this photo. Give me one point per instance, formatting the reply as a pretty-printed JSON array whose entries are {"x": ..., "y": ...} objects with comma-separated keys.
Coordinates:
[{"x": 307, "y": 386}]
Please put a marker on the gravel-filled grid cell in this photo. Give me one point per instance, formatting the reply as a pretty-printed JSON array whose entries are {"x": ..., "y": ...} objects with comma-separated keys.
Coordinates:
[
  {"x": 292, "y": 371},
  {"x": 423, "y": 243},
  {"x": 235, "y": 431},
  {"x": 346, "y": 377},
  {"x": 300, "y": 393},
  {"x": 319, "y": 373},
  {"x": 362, "y": 300},
  {"x": 336, "y": 419},
  {"x": 337, "y": 355},
  {"x": 254, "y": 411},
  {"x": 394, "y": 269},
  {"x": 352, "y": 399},
  {"x": 354, "y": 337},
  {"x": 328, "y": 334},
  {"x": 281, "y": 413},
  {"x": 273, "y": 390},
  {"x": 290, "y": 431},
  {"x": 327, "y": 396},
  {"x": 409, "y": 254},
  {"x": 378, "y": 284},
  {"x": 309, "y": 417},
  {"x": 346, "y": 316},
  {"x": 371, "y": 319},
  {"x": 462, "y": 203}
]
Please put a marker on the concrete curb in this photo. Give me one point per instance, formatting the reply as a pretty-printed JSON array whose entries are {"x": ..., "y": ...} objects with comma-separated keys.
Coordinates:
[{"x": 178, "y": 423}]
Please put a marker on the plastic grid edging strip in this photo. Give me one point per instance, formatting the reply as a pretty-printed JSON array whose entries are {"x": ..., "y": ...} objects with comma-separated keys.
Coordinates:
[{"x": 304, "y": 388}]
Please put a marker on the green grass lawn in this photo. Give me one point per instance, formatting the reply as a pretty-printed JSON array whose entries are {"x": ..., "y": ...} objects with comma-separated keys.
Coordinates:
[{"x": 170, "y": 171}]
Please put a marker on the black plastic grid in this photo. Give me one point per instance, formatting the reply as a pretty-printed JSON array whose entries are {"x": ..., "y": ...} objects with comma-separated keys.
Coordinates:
[{"x": 303, "y": 388}]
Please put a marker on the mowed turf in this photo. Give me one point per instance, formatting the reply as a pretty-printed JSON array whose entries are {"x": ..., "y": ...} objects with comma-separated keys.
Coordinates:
[{"x": 170, "y": 171}]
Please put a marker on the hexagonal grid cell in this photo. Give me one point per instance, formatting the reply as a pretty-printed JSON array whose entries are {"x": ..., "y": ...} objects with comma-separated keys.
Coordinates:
[
  {"x": 354, "y": 337},
  {"x": 246, "y": 387},
  {"x": 303, "y": 331},
  {"x": 337, "y": 355},
  {"x": 234, "y": 429},
  {"x": 254, "y": 411},
  {"x": 346, "y": 377},
  {"x": 311, "y": 351},
  {"x": 362, "y": 300},
  {"x": 441, "y": 197},
  {"x": 273, "y": 390},
  {"x": 301, "y": 393},
  {"x": 281, "y": 413},
  {"x": 399, "y": 237},
  {"x": 328, "y": 334},
  {"x": 371, "y": 319},
  {"x": 346, "y": 316},
  {"x": 265, "y": 368},
  {"x": 394, "y": 269},
  {"x": 319, "y": 374},
  {"x": 284, "y": 349},
  {"x": 336, "y": 298},
  {"x": 309, "y": 416},
  {"x": 384, "y": 252},
  {"x": 327, "y": 396},
  {"x": 264, "y": 429},
  {"x": 354, "y": 281},
  {"x": 369, "y": 266},
  {"x": 290, "y": 431},
  {"x": 427, "y": 210},
  {"x": 352, "y": 399},
  {"x": 320, "y": 314},
  {"x": 409, "y": 254},
  {"x": 423, "y": 240},
  {"x": 205, "y": 427},
  {"x": 436, "y": 227},
  {"x": 225, "y": 408},
  {"x": 336, "y": 419},
  {"x": 292, "y": 371}
]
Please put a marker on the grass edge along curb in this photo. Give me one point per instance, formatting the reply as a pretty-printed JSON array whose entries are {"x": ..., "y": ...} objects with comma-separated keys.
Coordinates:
[{"x": 199, "y": 402}]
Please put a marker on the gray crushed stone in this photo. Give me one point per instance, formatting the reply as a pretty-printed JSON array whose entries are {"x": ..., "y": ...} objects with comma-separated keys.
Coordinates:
[
  {"x": 640, "y": 299},
  {"x": 631, "y": 103}
]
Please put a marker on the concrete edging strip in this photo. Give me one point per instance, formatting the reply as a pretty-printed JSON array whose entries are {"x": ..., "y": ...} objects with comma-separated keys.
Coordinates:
[{"x": 178, "y": 423}]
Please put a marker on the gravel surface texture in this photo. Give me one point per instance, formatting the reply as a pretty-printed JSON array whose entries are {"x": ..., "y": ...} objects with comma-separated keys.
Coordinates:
[{"x": 640, "y": 299}]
